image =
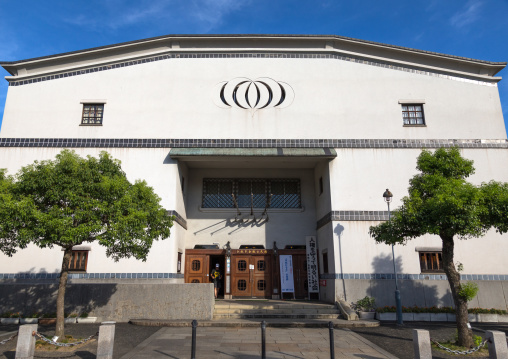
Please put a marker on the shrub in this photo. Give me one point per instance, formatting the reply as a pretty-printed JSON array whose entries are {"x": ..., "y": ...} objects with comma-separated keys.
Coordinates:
[
  {"x": 468, "y": 291},
  {"x": 84, "y": 315},
  {"x": 366, "y": 304}
]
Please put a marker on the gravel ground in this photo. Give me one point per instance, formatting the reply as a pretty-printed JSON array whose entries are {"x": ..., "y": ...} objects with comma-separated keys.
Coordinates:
[
  {"x": 399, "y": 340},
  {"x": 127, "y": 337}
]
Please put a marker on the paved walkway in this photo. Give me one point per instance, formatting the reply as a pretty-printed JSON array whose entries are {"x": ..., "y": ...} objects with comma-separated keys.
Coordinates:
[{"x": 221, "y": 342}]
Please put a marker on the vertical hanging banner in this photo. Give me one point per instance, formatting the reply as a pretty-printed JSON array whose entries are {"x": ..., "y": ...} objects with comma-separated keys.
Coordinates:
[
  {"x": 287, "y": 284},
  {"x": 312, "y": 264}
]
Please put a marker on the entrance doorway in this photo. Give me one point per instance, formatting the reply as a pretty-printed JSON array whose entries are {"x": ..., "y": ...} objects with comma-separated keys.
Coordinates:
[
  {"x": 252, "y": 276},
  {"x": 213, "y": 260}
]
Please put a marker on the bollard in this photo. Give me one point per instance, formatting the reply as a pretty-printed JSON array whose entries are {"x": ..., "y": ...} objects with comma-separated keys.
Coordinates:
[
  {"x": 105, "y": 341},
  {"x": 497, "y": 344},
  {"x": 332, "y": 345},
  {"x": 263, "y": 340},
  {"x": 193, "y": 349},
  {"x": 26, "y": 341},
  {"x": 421, "y": 344}
]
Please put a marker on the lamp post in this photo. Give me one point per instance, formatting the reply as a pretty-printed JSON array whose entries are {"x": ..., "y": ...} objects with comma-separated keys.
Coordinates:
[{"x": 388, "y": 198}]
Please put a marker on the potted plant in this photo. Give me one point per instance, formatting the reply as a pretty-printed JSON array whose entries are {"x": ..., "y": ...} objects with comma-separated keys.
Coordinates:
[
  {"x": 10, "y": 318},
  {"x": 31, "y": 319},
  {"x": 365, "y": 307},
  {"x": 84, "y": 318}
]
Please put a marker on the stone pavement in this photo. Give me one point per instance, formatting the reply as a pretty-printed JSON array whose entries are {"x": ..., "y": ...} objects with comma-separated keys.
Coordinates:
[{"x": 224, "y": 342}]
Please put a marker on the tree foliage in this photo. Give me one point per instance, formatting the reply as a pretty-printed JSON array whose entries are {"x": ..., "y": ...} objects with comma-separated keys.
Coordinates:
[
  {"x": 73, "y": 200},
  {"x": 442, "y": 202}
]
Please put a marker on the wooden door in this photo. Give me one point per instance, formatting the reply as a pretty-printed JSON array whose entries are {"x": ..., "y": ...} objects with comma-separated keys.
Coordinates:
[
  {"x": 251, "y": 276},
  {"x": 241, "y": 277},
  {"x": 262, "y": 275},
  {"x": 300, "y": 275},
  {"x": 196, "y": 268}
]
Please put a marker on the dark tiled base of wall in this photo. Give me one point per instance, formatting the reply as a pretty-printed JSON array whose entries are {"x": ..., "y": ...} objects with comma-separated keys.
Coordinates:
[
  {"x": 250, "y": 143},
  {"x": 411, "y": 276},
  {"x": 91, "y": 275}
]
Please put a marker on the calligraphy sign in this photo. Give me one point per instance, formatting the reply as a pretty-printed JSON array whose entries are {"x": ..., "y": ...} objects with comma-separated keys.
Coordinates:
[{"x": 312, "y": 264}]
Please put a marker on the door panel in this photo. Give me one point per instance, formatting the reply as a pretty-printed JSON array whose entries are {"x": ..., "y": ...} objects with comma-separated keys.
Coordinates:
[
  {"x": 262, "y": 274},
  {"x": 241, "y": 277},
  {"x": 196, "y": 269},
  {"x": 300, "y": 275}
]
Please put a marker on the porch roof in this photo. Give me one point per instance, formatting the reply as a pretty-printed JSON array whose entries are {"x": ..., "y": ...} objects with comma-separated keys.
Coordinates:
[{"x": 324, "y": 152}]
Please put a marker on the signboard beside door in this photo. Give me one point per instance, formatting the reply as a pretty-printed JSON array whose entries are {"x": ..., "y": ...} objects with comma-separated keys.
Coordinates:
[
  {"x": 312, "y": 265},
  {"x": 287, "y": 283}
]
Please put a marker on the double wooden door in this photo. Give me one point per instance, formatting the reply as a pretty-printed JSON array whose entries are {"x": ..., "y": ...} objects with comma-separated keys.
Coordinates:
[{"x": 251, "y": 276}]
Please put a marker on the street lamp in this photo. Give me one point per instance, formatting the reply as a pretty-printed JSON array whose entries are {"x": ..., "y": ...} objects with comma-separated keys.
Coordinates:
[{"x": 388, "y": 198}]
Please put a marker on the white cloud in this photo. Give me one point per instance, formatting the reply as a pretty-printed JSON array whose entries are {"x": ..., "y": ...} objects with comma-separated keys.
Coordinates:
[
  {"x": 467, "y": 15},
  {"x": 205, "y": 15},
  {"x": 210, "y": 13}
]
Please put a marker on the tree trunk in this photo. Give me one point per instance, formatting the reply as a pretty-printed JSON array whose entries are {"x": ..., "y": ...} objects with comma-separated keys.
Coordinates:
[
  {"x": 60, "y": 300},
  {"x": 464, "y": 333}
]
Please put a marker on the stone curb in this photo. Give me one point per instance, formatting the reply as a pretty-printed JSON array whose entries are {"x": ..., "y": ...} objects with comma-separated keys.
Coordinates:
[{"x": 337, "y": 323}]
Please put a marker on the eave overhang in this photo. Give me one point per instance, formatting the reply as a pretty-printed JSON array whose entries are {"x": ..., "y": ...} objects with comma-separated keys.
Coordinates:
[{"x": 443, "y": 63}]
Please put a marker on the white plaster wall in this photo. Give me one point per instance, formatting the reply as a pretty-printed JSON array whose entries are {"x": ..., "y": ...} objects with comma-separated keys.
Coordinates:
[
  {"x": 146, "y": 164},
  {"x": 323, "y": 203},
  {"x": 361, "y": 254},
  {"x": 161, "y": 259},
  {"x": 285, "y": 227},
  {"x": 359, "y": 177},
  {"x": 333, "y": 99}
]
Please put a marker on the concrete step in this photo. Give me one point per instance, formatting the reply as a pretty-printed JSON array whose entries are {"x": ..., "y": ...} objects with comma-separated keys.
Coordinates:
[
  {"x": 280, "y": 311},
  {"x": 226, "y": 305},
  {"x": 275, "y": 315}
]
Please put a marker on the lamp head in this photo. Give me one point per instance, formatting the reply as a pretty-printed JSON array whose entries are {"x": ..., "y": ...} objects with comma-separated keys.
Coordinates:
[{"x": 387, "y": 196}]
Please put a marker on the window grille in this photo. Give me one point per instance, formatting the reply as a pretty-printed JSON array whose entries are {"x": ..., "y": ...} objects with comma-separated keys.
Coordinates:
[
  {"x": 78, "y": 261},
  {"x": 431, "y": 262},
  {"x": 413, "y": 114},
  {"x": 92, "y": 114},
  {"x": 255, "y": 193}
]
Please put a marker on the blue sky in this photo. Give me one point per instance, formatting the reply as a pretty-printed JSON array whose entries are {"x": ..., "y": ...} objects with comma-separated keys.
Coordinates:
[{"x": 469, "y": 28}]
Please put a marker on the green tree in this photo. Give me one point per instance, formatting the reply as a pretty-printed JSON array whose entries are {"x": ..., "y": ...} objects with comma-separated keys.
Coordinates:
[
  {"x": 443, "y": 203},
  {"x": 73, "y": 200}
]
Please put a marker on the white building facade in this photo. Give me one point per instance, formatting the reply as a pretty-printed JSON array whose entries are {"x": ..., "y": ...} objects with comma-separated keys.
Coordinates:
[{"x": 261, "y": 146}]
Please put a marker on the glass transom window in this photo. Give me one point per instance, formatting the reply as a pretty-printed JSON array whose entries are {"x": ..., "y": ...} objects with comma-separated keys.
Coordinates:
[
  {"x": 412, "y": 114},
  {"x": 251, "y": 193}
]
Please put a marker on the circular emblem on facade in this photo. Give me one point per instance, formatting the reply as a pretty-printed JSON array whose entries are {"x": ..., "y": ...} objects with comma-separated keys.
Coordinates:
[{"x": 260, "y": 93}]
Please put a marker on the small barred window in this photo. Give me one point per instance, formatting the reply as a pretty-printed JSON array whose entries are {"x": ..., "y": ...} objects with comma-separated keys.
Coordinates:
[
  {"x": 431, "y": 262},
  {"x": 92, "y": 114},
  {"x": 413, "y": 114}
]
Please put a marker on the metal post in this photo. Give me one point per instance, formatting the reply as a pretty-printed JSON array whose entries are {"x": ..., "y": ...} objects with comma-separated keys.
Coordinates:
[
  {"x": 332, "y": 345},
  {"x": 263, "y": 340},
  {"x": 193, "y": 349},
  {"x": 398, "y": 303}
]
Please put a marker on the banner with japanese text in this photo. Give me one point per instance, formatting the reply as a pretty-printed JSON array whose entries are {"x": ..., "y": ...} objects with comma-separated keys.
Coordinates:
[
  {"x": 287, "y": 284},
  {"x": 312, "y": 264}
]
